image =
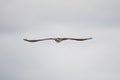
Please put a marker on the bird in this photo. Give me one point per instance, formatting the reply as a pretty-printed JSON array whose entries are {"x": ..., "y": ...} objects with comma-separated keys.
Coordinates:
[{"x": 58, "y": 40}]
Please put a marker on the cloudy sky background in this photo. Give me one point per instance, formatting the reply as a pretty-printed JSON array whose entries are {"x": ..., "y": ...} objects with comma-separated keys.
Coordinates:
[{"x": 96, "y": 59}]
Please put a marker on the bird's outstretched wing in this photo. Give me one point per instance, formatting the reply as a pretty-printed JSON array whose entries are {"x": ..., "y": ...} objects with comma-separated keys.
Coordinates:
[
  {"x": 38, "y": 40},
  {"x": 58, "y": 39},
  {"x": 77, "y": 39}
]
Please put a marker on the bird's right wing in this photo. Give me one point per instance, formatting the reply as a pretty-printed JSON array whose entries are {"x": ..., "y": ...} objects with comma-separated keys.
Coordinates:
[
  {"x": 78, "y": 39},
  {"x": 38, "y": 39}
]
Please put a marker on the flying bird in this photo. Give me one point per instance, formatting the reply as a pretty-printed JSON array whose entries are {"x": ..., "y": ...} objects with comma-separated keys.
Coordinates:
[{"x": 58, "y": 39}]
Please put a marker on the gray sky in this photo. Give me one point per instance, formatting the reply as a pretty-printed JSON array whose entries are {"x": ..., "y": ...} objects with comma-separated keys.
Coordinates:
[{"x": 96, "y": 59}]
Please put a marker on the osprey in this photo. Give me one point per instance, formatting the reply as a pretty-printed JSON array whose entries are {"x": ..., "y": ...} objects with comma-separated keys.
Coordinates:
[{"x": 58, "y": 39}]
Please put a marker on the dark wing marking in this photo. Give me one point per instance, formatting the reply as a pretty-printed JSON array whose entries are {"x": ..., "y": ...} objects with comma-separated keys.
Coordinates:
[
  {"x": 38, "y": 40},
  {"x": 77, "y": 39}
]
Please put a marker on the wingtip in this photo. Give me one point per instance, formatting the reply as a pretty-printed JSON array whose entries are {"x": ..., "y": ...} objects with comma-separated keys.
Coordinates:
[
  {"x": 24, "y": 39},
  {"x": 90, "y": 38}
]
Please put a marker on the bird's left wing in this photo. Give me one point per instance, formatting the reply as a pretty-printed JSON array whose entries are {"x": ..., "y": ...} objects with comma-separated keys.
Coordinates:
[{"x": 38, "y": 40}]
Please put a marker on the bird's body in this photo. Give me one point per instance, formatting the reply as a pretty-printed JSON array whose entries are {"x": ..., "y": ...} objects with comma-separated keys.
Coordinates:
[{"x": 58, "y": 39}]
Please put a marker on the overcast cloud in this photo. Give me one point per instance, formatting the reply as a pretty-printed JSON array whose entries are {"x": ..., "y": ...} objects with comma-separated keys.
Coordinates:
[{"x": 96, "y": 59}]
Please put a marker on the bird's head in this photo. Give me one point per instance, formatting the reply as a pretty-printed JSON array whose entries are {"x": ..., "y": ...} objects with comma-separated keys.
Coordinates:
[{"x": 58, "y": 40}]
